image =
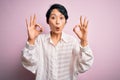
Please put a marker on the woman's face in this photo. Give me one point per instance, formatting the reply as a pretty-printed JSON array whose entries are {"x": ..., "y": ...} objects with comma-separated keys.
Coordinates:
[{"x": 56, "y": 21}]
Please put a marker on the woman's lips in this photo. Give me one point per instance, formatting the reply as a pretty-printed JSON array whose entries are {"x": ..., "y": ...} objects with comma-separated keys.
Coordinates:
[{"x": 57, "y": 28}]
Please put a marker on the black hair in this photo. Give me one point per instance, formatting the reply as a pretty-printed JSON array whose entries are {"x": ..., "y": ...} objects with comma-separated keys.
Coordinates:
[{"x": 60, "y": 8}]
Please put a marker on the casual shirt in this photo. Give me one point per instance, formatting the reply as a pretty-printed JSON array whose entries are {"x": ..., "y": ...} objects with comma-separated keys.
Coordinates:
[{"x": 63, "y": 61}]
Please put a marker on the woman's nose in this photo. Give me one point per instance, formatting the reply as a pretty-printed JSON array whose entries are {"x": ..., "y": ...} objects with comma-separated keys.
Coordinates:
[{"x": 58, "y": 21}]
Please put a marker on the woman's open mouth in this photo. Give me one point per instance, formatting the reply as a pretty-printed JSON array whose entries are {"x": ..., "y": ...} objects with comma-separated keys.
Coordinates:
[{"x": 57, "y": 28}]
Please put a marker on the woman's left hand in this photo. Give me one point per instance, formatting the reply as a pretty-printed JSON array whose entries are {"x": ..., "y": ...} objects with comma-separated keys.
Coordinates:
[{"x": 81, "y": 31}]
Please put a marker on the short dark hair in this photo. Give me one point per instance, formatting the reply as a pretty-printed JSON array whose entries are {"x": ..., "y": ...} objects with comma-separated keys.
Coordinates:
[{"x": 60, "y": 8}]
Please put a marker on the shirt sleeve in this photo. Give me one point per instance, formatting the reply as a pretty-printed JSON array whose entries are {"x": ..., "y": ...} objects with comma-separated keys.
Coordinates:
[
  {"x": 83, "y": 59},
  {"x": 31, "y": 56}
]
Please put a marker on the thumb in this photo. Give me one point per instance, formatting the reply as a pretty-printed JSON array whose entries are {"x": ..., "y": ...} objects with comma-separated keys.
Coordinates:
[{"x": 76, "y": 28}]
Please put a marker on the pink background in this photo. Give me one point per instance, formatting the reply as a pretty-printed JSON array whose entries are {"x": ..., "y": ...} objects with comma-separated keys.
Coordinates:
[{"x": 104, "y": 34}]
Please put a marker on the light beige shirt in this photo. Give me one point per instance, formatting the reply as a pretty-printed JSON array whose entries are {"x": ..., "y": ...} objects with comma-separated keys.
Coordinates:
[{"x": 63, "y": 61}]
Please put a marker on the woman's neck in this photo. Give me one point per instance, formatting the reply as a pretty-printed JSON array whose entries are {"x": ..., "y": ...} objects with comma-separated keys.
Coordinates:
[{"x": 55, "y": 37}]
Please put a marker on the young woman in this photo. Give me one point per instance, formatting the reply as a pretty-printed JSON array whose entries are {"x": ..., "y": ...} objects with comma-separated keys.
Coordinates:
[{"x": 56, "y": 55}]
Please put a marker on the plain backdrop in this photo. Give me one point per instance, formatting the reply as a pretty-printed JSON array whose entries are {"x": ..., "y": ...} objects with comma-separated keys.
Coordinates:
[{"x": 104, "y": 34}]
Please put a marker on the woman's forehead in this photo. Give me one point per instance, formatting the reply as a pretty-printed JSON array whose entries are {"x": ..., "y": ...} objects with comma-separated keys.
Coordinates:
[{"x": 56, "y": 12}]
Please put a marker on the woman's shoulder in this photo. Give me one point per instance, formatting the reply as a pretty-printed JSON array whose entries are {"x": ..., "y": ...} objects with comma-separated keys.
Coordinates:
[
  {"x": 69, "y": 37},
  {"x": 42, "y": 36}
]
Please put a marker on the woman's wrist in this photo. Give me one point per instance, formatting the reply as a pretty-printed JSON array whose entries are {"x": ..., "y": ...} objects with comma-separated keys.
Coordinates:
[
  {"x": 84, "y": 43},
  {"x": 31, "y": 41}
]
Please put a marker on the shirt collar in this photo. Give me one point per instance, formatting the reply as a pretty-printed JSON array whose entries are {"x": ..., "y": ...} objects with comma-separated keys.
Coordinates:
[{"x": 63, "y": 37}]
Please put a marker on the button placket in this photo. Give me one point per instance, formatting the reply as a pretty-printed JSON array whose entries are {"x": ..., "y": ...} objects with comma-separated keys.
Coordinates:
[{"x": 55, "y": 64}]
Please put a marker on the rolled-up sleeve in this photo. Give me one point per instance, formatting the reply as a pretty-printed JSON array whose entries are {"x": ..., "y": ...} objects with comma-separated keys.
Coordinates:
[
  {"x": 83, "y": 60},
  {"x": 30, "y": 57}
]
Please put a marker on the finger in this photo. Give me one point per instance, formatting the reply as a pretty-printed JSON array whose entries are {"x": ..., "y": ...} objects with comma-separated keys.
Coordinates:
[
  {"x": 27, "y": 26},
  {"x": 87, "y": 24},
  {"x": 34, "y": 19},
  {"x": 74, "y": 28},
  {"x": 30, "y": 20},
  {"x": 26, "y": 22},
  {"x": 84, "y": 23},
  {"x": 80, "y": 27},
  {"x": 39, "y": 27},
  {"x": 42, "y": 29},
  {"x": 81, "y": 20},
  {"x": 39, "y": 32}
]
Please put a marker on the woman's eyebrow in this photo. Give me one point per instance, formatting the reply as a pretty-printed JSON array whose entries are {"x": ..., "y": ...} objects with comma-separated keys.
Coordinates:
[
  {"x": 52, "y": 14},
  {"x": 56, "y": 15}
]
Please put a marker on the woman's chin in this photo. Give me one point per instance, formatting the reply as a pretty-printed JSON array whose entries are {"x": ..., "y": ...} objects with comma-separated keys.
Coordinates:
[{"x": 57, "y": 32}]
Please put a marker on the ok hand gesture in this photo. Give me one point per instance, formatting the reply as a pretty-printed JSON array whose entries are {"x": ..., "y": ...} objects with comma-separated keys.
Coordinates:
[
  {"x": 33, "y": 29},
  {"x": 82, "y": 32}
]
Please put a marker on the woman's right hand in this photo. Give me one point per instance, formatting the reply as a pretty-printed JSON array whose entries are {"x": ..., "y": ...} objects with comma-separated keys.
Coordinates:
[{"x": 33, "y": 29}]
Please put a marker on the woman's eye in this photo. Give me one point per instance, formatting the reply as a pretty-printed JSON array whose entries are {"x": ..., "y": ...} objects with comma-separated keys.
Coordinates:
[
  {"x": 52, "y": 17},
  {"x": 61, "y": 17}
]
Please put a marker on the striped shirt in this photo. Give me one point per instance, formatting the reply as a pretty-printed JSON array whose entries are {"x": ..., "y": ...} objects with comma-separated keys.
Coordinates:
[{"x": 63, "y": 61}]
